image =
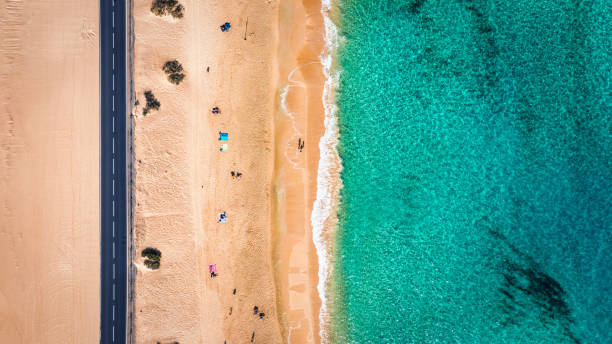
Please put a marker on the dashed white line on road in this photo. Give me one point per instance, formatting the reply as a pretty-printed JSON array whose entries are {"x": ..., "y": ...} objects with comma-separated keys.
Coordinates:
[
  {"x": 113, "y": 82},
  {"x": 113, "y": 61},
  {"x": 113, "y": 102},
  {"x": 113, "y": 294},
  {"x": 113, "y": 145},
  {"x": 113, "y": 124},
  {"x": 113, "y": 209},
  {"x": 113, "y": 228},
  {"x": 113, "y": 183},
  {"x": 113, "y": 40},
  {"x": 113, "y": 326},
  {"x": 113, "y": 168},
  {"x": 113, "y": 20},
  {"x": 113, "y": 267}
]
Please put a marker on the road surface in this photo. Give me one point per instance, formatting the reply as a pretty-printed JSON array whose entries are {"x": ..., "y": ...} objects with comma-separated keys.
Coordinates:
[{"x": 113, "y": 230}]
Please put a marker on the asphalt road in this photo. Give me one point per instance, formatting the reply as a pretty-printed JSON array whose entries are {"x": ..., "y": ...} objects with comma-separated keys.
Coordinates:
[{"x": 113, "y": 119}]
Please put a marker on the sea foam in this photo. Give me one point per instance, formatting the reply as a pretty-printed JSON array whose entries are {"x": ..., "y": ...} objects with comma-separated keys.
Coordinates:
[{"x": 323, "y": 217}]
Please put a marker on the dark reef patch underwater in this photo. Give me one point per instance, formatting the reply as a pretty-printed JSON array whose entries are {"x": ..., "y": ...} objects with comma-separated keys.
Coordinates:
[{"x": 476, "y": 140}]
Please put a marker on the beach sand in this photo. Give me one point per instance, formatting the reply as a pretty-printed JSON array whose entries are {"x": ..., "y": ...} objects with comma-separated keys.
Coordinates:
[
  {"x": 49, "y": 172},
  {"x": 182, "y": 180},
  {"x": 299, "y": 118}
]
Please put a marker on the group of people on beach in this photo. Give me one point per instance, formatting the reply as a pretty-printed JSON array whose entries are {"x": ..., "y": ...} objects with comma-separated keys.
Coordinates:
[{"x": 223, "y": 216}]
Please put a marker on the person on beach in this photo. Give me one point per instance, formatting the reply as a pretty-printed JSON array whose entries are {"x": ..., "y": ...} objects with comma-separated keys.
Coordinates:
[
  {"x": 255, "y": 310},
  {"x": 261, "y": 315},
  {"x": 238, "y": 175},
  {"x": 233, "y": 174}
]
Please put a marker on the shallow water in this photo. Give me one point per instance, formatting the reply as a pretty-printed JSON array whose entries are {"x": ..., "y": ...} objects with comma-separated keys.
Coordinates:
[{"x": 477, "y": 201}]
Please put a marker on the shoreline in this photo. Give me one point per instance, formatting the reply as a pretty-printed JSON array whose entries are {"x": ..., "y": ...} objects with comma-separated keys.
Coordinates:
[
  {"x": 299, "y": 117},
  {"x": 324, "y": 217},
  {"x": 307, "y": 183}
]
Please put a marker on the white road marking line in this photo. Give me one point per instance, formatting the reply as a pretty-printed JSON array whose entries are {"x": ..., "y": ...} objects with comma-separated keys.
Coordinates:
[
  {"x": 113, "y": 146},
  {"x": 113, "y": 209},
  {"x": 113, "y": 167},
  {"x": 113, "y": 19},
  {"x": 113, "y": 82},
  {"x": 113, "y": 182},
  {"x": 113, "y": 326},
  {"x": 113, "y": 257},
  {"x": 113, "y": 102},
  {"x": 113, "y": 268},
  {"x": 113, "y": 124},
  {"x": 113, "y": 312},
  {"x": 113, "y": 294},
  {"x": 113, "y": 61},
  {"x": 113, "y": 40},
  {"x": 113, "y": 228}
]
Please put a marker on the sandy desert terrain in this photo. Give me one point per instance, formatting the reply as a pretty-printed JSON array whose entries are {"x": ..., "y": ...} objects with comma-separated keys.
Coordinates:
[{"x": 49, "y": 172}]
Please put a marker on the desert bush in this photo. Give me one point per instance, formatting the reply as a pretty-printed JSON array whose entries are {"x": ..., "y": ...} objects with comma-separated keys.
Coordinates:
[
  {"x": 177, "y": 12},
  {"x": 152, "y": 103},
  {"x": 167, "y": 7},
  {"x": 153, "y": 256},
  {"x": 172, "y": 66},
  {"x": 176, "y": 78},
  {"x": 151, "y": 264}
]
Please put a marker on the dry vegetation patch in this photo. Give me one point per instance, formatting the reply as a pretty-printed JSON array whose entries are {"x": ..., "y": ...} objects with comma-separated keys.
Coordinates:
[
  {"x": 152, "y": 103},
  {"x": 174, "y": 70},
  {"x": 153, "y": 257},
  {"x": 167, "y": 7}
]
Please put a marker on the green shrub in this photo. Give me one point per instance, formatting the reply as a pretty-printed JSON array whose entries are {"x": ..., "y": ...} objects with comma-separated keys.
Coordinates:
[
  {"x": 173, "y": 69},
  {"x": 176, "y": 78},
  {"x": 167, "y": 7},
  {"x": 153, "y": 256},
  {"x": 152, "y": 103},
  {"x": 177, "y": 12},
  {"x": 172, "y": 66}
]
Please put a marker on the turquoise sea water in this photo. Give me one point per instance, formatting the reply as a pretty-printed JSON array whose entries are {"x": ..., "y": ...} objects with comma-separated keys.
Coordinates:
[{"x": 476, "y": 139}]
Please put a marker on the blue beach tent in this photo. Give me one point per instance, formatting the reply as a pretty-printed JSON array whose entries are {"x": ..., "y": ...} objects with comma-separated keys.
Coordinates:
[{"x": 223, "y": 136}]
